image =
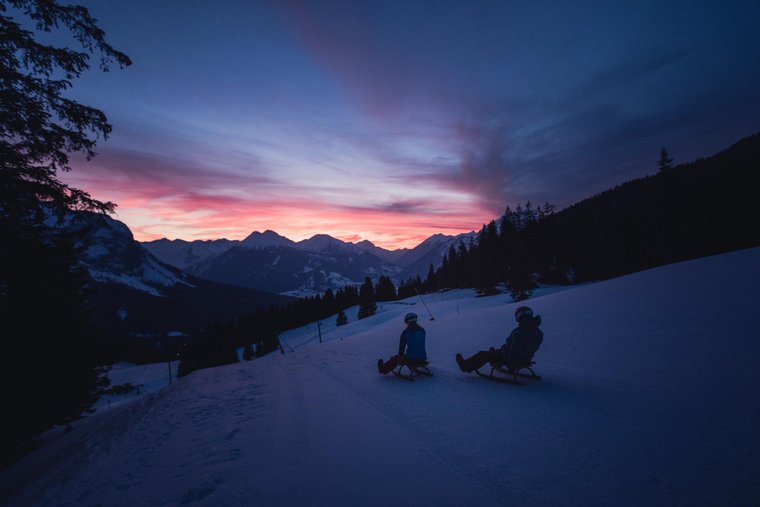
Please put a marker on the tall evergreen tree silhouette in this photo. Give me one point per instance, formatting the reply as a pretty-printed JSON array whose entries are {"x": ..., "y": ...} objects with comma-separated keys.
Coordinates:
[
  {"x": 367, "y": 299},
  {"x": 665, "y": 162},
  {"x": 385, "y": 290},
  {"x": 43, "y": 312}
]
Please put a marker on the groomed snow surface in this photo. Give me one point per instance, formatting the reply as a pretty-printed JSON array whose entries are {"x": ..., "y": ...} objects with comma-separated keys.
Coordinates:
[{"x": 649, "y": 397}]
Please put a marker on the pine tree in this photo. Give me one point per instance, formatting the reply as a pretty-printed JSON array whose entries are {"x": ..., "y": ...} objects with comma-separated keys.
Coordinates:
[
  {"x": 43, "y": 310},
  {"x": 41, "y": 126},
  {"x": 328, "y": 302},
  {"x": 484, "y": 270},
  {"x": 386, "y": 291},
  {"x": 431, "y": 280},
  {"x": 367, "y": 299},
  {"x": 342, "y": 319},
  {"x": 665, "y": 163},
  {"x": 547, "y": 210}
]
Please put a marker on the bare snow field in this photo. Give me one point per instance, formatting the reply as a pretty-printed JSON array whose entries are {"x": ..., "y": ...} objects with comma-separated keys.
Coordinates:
[{"x": 649, "y": 397}]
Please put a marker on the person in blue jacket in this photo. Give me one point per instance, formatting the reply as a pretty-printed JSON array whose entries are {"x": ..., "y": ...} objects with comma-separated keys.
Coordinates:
[
  {"x": 411, "y": 347},
  {"x": 518, "y": 350}
]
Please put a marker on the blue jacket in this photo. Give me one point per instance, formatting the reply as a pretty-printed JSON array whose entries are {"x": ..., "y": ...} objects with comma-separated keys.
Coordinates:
[
  {"x": 523, "y": 342},
  {"x": 412, "y": 342}
]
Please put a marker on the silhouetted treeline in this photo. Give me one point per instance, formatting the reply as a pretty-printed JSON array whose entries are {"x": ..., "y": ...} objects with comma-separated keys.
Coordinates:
[
  {"x": 503, "y": 253},
  {"x": 261, "y": 328},
  {"x": 689, "y": 211}
]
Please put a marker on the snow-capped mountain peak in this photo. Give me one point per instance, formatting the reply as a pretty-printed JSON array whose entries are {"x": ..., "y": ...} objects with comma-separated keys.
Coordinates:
[
  {"x": 433, "y": 240},
  {"x": 369, "y": 246},
  {"x": 325, "y": 242},
  {"x": 266, "y": 239},
  {"x": 113, "y": 256}
]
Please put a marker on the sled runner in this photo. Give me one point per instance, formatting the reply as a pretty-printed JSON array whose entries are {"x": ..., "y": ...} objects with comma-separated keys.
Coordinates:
[
  {"x": 510, "y": 375},
  {"x": 412, "y": 370}
]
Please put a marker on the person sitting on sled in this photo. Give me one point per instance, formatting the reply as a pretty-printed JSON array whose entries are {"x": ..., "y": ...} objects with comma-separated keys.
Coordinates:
[
  {"x": 518, "y": 350},
  {"x": 411, "y": 347}
]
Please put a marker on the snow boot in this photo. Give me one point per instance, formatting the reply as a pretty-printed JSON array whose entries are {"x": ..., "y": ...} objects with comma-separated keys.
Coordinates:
[
  {"x": 461, "y": 363},
  {"x": 380, "y": 366}
]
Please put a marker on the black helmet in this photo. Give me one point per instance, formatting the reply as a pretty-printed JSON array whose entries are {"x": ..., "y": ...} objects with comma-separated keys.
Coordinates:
[
  {"x": 522, "y": 312},
  {"x": 410, "y": 317}
]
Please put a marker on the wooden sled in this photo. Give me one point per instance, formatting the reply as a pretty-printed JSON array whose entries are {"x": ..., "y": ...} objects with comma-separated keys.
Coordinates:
[
  {"x": 412, "y": 371},
  {"x": 510, "y": 375}
]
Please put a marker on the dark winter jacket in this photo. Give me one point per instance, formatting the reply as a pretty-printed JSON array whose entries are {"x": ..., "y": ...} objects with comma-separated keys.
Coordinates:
[
  {"x": 523, "y": 342},
  {"x": 412, "y": 342}
]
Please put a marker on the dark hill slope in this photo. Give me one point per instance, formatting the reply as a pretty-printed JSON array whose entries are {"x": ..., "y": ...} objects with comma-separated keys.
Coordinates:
[{"x": 692, "y": 210}]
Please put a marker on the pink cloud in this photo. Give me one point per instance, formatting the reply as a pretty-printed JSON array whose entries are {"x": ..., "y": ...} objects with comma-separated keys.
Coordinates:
[
  {"x": 193, "y": 216},
  {"x": 206, "y": 218},
  {"x": 159, "y": 196}
]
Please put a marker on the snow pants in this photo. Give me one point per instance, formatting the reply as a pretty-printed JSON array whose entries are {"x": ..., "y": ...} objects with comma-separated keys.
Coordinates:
[{"x": 482, "y": 357}]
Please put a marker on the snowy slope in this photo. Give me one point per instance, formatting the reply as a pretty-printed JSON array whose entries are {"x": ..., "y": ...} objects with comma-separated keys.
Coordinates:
[{"x": 649, "y": 397}]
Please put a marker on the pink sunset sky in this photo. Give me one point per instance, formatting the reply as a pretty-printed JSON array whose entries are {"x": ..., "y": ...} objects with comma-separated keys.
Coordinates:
[{"x": 392, "y": 121}]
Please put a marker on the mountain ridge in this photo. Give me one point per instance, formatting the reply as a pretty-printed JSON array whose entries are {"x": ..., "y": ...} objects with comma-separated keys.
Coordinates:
[{"x": 273, "y": 263}]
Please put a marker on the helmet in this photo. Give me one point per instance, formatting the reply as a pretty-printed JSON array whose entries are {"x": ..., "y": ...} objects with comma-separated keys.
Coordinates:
[
  {"x": 522, "y": 312},
  {"x": 410, "y": 317}
]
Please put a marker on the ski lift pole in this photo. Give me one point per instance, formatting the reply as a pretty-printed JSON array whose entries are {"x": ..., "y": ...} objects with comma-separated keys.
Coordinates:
[{"x": 423, "y": 303}]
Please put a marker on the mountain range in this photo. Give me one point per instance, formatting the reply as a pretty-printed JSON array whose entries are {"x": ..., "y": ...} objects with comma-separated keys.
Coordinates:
[
  {"x": 162, "y": 290},
  {"x": 270, "y": 262}
]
